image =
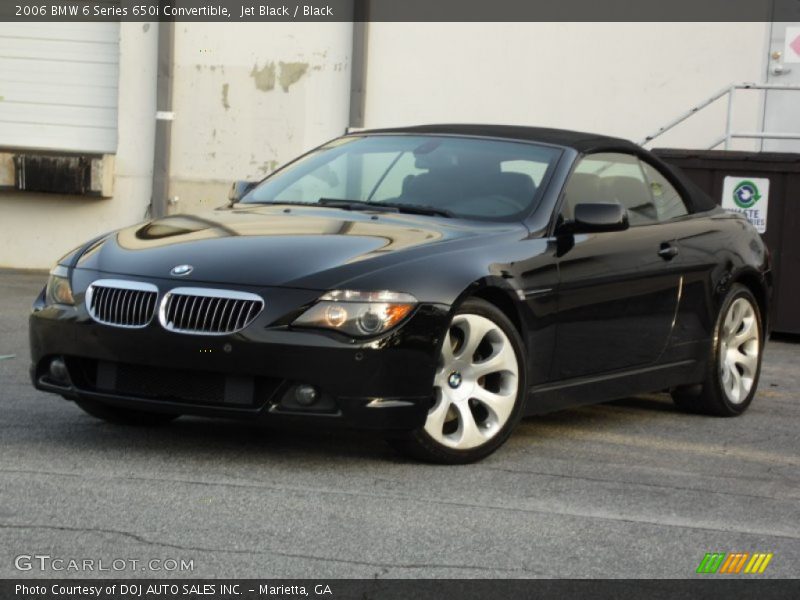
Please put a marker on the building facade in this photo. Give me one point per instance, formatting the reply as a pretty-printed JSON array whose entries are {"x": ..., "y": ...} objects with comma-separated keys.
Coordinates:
[{"x": 246, "y": 98}]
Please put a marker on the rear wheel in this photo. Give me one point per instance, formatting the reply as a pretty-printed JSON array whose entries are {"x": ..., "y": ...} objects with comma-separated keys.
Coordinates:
[
  {"x": 735, "y": 362},
  {"x": 124, "y": 416},
  {"x": 478, "y": 389}
]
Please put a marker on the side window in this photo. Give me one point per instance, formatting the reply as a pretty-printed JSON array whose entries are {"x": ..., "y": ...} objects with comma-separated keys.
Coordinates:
[
  {"x": 615, "y": 178},
  {"x": 638, "y": 186},
  {"x": 667, "y": 200}
]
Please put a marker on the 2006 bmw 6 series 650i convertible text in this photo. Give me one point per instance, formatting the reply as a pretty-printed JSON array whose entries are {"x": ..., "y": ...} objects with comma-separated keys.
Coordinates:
[{"x": 435, "y": 283}]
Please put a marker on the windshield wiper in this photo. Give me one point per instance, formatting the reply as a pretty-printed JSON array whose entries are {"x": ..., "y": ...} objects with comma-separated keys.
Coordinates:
[
  {"x": 418, "y": 209},
  {"x": 394, "y": 207},
  {"x": 414, "y": 209},
  {"x": 276, "y": 203},
  {"x": 356, "y": 205}
]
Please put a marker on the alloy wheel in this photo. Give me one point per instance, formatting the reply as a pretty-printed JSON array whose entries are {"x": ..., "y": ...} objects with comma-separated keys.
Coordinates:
[
  {"x": 739, "y": 350},
  {"x": 476, "y": 384}
]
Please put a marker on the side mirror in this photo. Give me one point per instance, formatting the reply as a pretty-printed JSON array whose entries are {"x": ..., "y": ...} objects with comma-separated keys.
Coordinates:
[
  {"x": 239, "y": 189},
  {"x": 595, "y": 218}
]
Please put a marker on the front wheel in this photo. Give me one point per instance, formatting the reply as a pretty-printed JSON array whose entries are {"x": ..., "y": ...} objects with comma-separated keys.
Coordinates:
[
  {"x": 478, "y": 389},
  {"x": 735, "y": 362}
]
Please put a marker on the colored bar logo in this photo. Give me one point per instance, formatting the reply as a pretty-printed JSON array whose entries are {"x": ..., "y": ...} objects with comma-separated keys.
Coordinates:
[{"x": 734, "y": 563}]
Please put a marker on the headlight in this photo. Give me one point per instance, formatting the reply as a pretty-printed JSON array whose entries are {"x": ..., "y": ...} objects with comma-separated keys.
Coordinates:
[
  {"x": 58, "y": 288},
  {"x": 358, "y": 314}
]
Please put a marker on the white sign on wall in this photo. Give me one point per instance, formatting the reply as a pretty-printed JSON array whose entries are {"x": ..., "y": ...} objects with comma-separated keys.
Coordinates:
[
  {"x": 791, "y": 52},
  {"x": 749, "y": 196}
]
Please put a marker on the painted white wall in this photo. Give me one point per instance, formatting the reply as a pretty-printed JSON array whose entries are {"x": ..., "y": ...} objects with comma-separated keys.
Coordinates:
[
  {"x": 250, "y": 96},
  {"x": 37, "y": 229},
  {"x": 622, "y": 79}
]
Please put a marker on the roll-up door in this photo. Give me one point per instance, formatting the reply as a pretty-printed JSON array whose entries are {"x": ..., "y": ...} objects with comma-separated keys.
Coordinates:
[{"x": 58, "y": 86}]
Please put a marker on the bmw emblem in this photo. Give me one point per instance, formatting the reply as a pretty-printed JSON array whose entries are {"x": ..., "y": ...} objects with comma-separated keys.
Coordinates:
[
  {"x": 454, "y": 380},
  {"x": 181, "y": 270}
]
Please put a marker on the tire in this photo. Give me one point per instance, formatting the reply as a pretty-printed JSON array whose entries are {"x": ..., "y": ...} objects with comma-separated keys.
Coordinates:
[
  {"x": 478, "y": 395},
  {"x": 734, "y": 362},
  {"x": 124, "y": 416}
]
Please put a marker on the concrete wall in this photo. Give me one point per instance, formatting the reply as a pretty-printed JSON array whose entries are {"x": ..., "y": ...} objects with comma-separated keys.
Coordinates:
[
  {"x": 37, "y": 229},
  {"x": 250, "y": 96},
  {"x": 623, "y": 79}
]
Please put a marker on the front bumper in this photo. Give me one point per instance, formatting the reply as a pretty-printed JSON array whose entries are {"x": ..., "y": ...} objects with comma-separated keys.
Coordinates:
[{"x": 385, "y": 383}]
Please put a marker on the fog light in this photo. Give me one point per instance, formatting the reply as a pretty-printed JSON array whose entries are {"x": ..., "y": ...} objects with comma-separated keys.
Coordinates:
[
  {"x": 306, "y": 395},
  {"x": 58, "y": 371}
]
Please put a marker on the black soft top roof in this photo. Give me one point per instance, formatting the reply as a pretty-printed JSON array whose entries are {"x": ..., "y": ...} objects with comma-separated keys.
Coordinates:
[{"x": 581, "y": 141}]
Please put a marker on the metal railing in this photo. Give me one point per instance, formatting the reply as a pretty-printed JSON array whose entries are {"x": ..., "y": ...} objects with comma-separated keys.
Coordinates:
[{"x": 730, "y": 91}]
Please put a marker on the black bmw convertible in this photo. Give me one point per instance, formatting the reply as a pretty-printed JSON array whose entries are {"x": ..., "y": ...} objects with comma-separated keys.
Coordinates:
[{"x": 434, "y": 283}]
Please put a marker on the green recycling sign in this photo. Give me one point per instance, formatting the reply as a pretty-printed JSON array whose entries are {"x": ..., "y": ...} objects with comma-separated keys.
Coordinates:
[
  {"x": 746, "y": 194},
  {"x": 749, "y": 196}
]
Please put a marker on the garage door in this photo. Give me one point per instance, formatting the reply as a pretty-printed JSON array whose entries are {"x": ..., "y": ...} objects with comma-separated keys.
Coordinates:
[{"x": 58, "y": 86}]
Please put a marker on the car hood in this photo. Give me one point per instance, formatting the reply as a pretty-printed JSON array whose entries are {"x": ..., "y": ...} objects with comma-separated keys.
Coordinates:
[{"x": 307, "y": 247}]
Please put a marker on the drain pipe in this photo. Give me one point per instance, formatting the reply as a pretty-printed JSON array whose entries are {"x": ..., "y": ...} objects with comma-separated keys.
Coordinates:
[
  {"x": 358, "y": 70},
  {"x": 164, "y": 115}
]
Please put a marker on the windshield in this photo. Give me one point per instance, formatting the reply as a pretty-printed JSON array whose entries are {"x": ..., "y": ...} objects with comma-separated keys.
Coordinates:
[{"x": 464, "y": 177}]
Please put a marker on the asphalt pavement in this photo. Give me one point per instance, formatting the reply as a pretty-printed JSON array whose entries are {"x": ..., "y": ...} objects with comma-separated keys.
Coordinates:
[{"x": 631, "y": 488}]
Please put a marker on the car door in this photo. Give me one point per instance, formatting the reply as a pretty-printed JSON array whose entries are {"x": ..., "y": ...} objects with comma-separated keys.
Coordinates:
[{"x": 618, "y": 291}]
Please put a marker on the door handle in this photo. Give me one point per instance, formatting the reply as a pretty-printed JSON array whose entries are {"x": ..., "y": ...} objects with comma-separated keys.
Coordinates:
[{"x": 668, "y": 251}]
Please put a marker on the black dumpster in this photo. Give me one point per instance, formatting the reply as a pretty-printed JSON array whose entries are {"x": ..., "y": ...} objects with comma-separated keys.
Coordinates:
[{"x": 709, "y": 170}]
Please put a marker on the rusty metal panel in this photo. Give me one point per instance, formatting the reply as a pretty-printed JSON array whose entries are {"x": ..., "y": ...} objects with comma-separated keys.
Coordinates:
[{"x": 708, "y": 169}]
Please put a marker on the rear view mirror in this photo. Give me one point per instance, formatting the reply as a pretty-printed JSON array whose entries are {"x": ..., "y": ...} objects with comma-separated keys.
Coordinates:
[
  {"x": 239, "y": 190},
  {"x": 597, "y": 217}
]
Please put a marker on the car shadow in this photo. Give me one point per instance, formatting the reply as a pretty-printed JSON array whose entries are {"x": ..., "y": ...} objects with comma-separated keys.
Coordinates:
[
  {"x": 624, "y": 410},
  {"x": 657, "y": 402},
  {"x": 194, "y": 438}
]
